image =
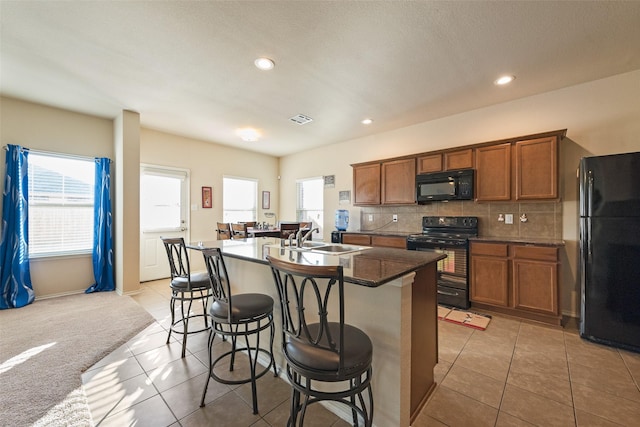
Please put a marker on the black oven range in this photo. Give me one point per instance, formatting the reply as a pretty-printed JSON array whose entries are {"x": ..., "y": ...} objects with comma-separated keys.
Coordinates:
[{"x": 449, "y": 235}]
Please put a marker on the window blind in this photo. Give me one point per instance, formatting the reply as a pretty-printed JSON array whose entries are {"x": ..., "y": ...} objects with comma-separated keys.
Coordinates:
[{"x": 61, "y": 199}]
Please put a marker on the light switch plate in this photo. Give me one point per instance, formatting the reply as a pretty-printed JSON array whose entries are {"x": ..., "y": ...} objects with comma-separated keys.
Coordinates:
[
  {"x": 370, "y": 217},
  {"x": 508, "y": 218},
  {"x": 395, "y": 218}
]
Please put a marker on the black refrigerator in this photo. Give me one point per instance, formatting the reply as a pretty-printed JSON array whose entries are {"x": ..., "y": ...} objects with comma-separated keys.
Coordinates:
[{"x": 610, "y": 250}]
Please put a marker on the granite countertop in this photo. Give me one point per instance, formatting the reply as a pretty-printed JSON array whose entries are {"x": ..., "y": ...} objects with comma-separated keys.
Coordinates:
[
  {"x": 519, "y": 240},
  {"x": 369, "y": 266}
]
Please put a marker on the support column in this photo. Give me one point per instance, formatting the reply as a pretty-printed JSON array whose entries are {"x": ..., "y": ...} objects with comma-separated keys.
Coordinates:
[{"x": 127, "y": 201}]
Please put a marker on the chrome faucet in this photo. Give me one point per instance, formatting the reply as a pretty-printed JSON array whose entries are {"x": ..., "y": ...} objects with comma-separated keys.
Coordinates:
[{"x": 303, "y": 238}]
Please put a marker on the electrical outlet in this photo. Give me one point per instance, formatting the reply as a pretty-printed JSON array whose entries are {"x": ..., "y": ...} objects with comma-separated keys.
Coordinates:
[
  {"x": 370, "y": 217},
  {"x": 395, "y": 218},
  {"x": 508, "y": 218}
]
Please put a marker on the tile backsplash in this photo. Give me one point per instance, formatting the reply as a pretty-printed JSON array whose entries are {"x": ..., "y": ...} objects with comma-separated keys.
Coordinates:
[{"x": 543, "y": 219}]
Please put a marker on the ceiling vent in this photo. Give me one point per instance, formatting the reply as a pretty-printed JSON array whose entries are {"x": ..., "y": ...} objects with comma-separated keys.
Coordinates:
[{"x": 301, "y": 119}]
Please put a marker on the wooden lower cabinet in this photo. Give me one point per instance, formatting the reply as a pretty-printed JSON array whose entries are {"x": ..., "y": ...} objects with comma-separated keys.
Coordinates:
[
  {"x": 374, "y": 240},
  {"x": 356, "y": 239},
  {"x": 515, "y": 279},
  {"x": 490, "y": 276}
]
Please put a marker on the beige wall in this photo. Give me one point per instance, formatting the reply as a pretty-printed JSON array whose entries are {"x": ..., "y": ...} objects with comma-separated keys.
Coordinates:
[
  {"x": 602, "y": 117},
  {"x": 208, "y": 163}
]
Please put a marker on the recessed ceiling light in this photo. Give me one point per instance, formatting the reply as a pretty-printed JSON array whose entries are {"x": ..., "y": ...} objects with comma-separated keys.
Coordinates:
[
  {"x": 248, "y": 134},
  {"x": 504, "y": 80},
  {"x": 264, "y": 63},
  {"x": 367, "y": 121}
]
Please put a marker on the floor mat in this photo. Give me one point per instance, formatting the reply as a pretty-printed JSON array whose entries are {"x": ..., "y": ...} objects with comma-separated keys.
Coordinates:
[{"x": 464, "y": 318}]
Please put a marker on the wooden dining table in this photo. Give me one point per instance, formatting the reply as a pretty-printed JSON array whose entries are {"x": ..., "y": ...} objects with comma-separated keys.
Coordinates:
[
  {"x": 271, "y": 232},
  {"x": 259, "y": 232}
]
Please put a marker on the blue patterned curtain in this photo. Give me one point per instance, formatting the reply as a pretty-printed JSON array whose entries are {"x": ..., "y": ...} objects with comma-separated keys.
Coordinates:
[
  {"x": 102, "y": 235},
  {"x": 15, "y": 276}
]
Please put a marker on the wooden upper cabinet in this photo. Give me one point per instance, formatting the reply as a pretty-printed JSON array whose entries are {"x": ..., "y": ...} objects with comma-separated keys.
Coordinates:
[
  {"x": 450, "y": 160},
  {"x": 493, "y": 172},
  {"x": 462, "y": 159},
  {"x": 399, "y": 181},
  {"x": 366, "y": 184},
  {"x": 536, "y": 169},
  {"x": 430, "y": 163}
]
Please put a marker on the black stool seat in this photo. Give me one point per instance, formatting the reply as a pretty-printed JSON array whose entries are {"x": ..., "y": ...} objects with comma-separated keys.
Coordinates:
[
  {"x": 245, "y": 306},
  {"x": 195, "y": 281},
  {"x": 235, "y": 316},
  {"x": 358, "y": 352}
]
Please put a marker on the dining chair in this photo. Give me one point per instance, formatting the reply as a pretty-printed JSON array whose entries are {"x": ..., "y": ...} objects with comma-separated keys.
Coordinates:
[
  {"x": 237, "y": 316},
  {"x": 317, "y": 344},
  {"x": 250, "y": 224},
  {"x": 223, "y": 230},
  {"x": 288, "y": 228},
  {"x": 186, "y": 288},
  {"x": 239, "y": 230}
]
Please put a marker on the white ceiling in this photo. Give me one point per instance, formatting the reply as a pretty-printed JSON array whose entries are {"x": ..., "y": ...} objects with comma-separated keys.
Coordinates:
[{"x": 187, "y": 67}]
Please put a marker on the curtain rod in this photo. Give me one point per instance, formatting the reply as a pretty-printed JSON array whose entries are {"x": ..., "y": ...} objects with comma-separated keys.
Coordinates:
[{"x": 54, "y": 153}]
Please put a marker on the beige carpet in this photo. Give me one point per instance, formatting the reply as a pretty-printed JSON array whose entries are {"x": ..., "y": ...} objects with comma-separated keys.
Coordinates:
[{"x": 45, "y": 346}]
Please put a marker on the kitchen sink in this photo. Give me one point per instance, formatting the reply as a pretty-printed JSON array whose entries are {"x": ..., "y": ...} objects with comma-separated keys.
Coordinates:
[{"x": 323, "y": 248}]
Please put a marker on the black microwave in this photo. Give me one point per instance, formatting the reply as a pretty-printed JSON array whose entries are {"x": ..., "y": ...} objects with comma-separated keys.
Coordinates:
[{"x": 450, "y": 185}]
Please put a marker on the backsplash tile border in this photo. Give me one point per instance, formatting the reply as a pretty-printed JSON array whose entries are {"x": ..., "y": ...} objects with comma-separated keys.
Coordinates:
[{"x": 544, "y": 219}]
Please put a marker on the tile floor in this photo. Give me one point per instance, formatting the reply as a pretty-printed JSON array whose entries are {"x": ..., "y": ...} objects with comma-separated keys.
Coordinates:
[{"x": 513, "y": 374}]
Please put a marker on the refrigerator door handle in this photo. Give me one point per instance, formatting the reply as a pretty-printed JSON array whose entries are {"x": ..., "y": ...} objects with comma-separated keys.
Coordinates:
[{"x": 588, "y": 199}]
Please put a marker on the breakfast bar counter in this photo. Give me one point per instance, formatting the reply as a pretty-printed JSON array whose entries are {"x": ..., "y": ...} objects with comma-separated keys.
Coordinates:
[{"x": 389, "y": 293}]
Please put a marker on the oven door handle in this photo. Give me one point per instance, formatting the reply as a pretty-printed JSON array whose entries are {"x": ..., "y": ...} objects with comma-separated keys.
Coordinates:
[{"x": 452, "y": 294}]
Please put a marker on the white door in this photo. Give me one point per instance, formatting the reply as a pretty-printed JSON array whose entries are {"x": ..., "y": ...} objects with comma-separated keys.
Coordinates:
[{"x": 164, "y": 202}]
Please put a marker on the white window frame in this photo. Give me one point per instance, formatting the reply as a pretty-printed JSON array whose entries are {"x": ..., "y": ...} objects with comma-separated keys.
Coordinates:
[{"x": 62, "y": 225}]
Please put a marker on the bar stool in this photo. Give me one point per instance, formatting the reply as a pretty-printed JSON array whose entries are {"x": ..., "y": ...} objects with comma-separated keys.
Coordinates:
[
  {"x": 319, "y": 349},
  {"x": 185, "y": 288},
  {"x": 237, "y": 316}
]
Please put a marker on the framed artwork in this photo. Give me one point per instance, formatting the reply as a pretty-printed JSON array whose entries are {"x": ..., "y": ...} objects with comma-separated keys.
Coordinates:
[
  {"x": 266, "y": 200},
  {"x": 207, "y": 197}
]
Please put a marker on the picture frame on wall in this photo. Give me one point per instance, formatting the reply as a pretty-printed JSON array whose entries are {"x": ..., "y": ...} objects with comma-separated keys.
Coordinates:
[
  {"x": 207, "y": 198},
  {"x": 266, "y": 200}
]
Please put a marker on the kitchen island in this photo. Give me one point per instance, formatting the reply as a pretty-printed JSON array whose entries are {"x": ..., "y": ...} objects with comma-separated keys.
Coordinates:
[{"x": 389, "y": 293}]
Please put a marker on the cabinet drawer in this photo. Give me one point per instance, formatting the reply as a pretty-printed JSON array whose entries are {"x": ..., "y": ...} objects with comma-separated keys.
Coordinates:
[
  {"x": 389, "y": 242},
  {"x": 356, "y": 239},
  {"x": 541, "y": 253},
  {"x": 490, "y": 249}
]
